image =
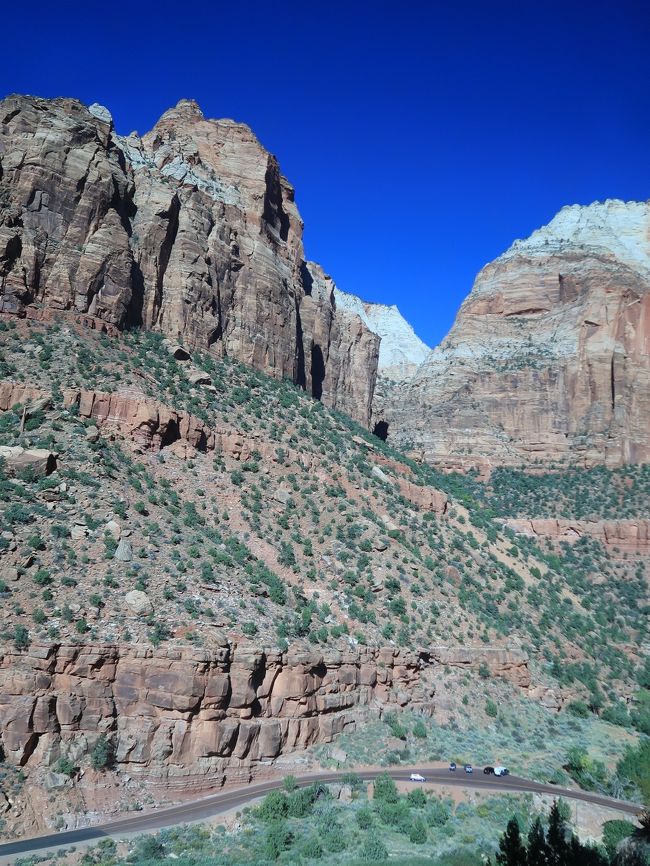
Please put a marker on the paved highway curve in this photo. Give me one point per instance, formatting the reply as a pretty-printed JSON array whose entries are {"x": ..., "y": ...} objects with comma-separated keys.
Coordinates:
[{"x": 233, "y": 798}]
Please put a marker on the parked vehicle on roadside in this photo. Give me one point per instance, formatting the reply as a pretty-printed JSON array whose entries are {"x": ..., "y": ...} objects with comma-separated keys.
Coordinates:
[
  {"x": 469, "y": 768},
  {"x": 417, "y": 777},
  {"x": 489, "y": 771},
  {"x": 452, "y": 766},
  {"x": 501, "y": 771}
]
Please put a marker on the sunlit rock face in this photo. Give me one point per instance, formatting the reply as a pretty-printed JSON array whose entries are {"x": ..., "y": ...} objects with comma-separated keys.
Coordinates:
[
  {"x": 190, "y": 230},
  {"x": 549, "y": 357},
  {"x": 401, "y": 350}
]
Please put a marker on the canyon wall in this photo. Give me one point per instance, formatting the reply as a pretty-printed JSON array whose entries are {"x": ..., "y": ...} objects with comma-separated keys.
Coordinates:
[
  {"x": 187, "y": 712},
  {"x": 401, "y": 351},
  {"x": 184, "y": 721},
  {"x": 549, "y": 357},
  {"x": 190, "y": 230},
  {"x": 176, "y": 712}
]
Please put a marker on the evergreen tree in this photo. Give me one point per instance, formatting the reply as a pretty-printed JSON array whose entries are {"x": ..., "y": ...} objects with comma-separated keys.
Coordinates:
[
  {"x": 512, "y": 851},
  {"x": 558, "y": 850},
  {"x": 385, "y": 790},
  {"x": 630, "y": 854},
  {"x": 584, "y": 855},
  {"x": 538, "y": 853}
]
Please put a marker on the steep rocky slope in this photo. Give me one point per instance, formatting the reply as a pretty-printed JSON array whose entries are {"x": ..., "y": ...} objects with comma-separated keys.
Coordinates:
[
  {"x": 549, "y": 357},
  {"x": 211, "y": 570},
  {"x": 190, "y": 230}
]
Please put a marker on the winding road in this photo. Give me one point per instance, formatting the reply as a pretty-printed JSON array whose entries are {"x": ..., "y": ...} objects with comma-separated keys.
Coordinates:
[{"x": 233, "y": 798}]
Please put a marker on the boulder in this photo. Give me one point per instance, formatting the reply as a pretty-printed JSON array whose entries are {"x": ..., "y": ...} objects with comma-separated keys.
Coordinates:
[
  {"x": 198, "y": 377},
  {"x": 114, "y": 528},
  {"x": 123, "y": 552},
  {"x": 39, "y": 461},
  {"x": 138, "y": 602}
]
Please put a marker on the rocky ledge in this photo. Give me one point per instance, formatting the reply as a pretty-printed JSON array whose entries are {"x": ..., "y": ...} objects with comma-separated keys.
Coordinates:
[
  {"x": 626, "y": 536},
  {"x": 188, "y": 711}
]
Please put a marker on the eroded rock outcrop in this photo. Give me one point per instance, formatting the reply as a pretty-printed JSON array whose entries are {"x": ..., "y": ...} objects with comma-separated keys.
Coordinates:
[
  {"x": 190, "y": 230},
  {"x": 508, "y": 663},
  {"x": 549, "y": 357},
  {"x": 628, "y": 536},
  {"x": 188, "y": 712}
]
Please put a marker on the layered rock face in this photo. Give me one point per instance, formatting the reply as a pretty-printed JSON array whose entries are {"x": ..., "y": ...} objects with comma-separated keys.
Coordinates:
[
  {"x": 188, "y": 712},
  {"x": 625, "y": 536},
  {"x": 549, "y": 357},
  {"x": 190, "y": 230}
]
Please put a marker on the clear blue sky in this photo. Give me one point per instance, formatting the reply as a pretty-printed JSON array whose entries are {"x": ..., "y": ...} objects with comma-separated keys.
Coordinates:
[{"x": 421, "y": 137}]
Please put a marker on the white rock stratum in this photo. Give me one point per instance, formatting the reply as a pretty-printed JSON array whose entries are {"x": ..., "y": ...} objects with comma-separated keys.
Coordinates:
[
  {"x": 401, "y": 350},
  {"x": 549, "y": 357}
]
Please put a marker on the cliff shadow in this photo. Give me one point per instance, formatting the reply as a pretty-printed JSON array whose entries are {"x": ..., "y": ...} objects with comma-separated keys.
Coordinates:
[
  {"x": 380, "y": 430},
  {"x": 317, "y": 371}
]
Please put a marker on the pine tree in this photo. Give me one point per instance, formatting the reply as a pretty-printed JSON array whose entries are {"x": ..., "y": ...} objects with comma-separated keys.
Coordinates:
[
  {"x": 512, "y": 851},
  {"x": 584, "y": 855},
  {"x": 558, "y": 850},
  {"x": 538, "y": 853}
]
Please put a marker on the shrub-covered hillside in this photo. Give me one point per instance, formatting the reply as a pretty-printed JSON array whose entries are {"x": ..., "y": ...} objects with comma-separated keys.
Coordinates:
[{"x": 302, "y": 527}]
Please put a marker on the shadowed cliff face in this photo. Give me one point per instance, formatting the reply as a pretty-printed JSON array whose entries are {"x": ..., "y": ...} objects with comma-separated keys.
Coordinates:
[
  {"x": 190, "y": 230},
  {"x": 549, "y": 357}
]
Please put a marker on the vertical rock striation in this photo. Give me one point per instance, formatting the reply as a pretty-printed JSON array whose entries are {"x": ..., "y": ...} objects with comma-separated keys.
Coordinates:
[
  {"x": 549, "y": 357},
  {"x": 190, "y": 230}
]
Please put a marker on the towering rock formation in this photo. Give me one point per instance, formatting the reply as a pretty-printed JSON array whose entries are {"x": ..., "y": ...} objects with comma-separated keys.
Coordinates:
[
  {"x": 549, "y": 356},
  {"x": 190, "y": 230},
  {"x": 401, "y": 350}
]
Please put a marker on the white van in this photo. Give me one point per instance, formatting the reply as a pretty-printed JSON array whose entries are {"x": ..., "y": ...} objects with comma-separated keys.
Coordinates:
[{"x": 501, "y": 771}]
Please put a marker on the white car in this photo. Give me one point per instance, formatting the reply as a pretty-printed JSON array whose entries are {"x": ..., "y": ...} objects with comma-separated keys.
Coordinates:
[
  {"x": 501, "y": 771},
  {"x": 417, "y": 777}
]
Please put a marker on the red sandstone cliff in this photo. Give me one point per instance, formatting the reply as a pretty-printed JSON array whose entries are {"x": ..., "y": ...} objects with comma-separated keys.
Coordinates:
[
  {"x": 549, "y": 357},
  {"x": 190, "y": 230}
]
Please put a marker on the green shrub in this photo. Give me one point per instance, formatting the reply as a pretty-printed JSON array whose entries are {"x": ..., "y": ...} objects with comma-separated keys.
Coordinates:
[
  {"x": 578, "y": 708},
  {"x": 613, "y": 834},
  {"x": 438, "y": 813},
  {"x": 418, "y": 832},
  {"x": 364, "y": 819},
  {"x": 274, "y": 806},
  {"x": 373, "y": 849},
  {"x": 417, "y": 798},
  {"x": 21, "y": 637},
  {"x": 397, "y": 730},
  {"x": 634, "y": 768},
  {"x": 385, "y": 789},
  {"x": 420, "y": 730},
  {"x": 65, "y": 765},
  {"x": 101, "y": 756},
  {"x": 278, "y": 838},
  {"x": 312, "y": 849}
]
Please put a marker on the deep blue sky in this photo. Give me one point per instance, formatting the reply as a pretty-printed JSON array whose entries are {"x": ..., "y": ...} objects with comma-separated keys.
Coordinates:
[{"x": 422, "y": 137}]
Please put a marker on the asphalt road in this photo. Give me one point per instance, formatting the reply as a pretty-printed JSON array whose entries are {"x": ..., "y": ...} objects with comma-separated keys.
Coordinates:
[{"x": 234, "y": 798}]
